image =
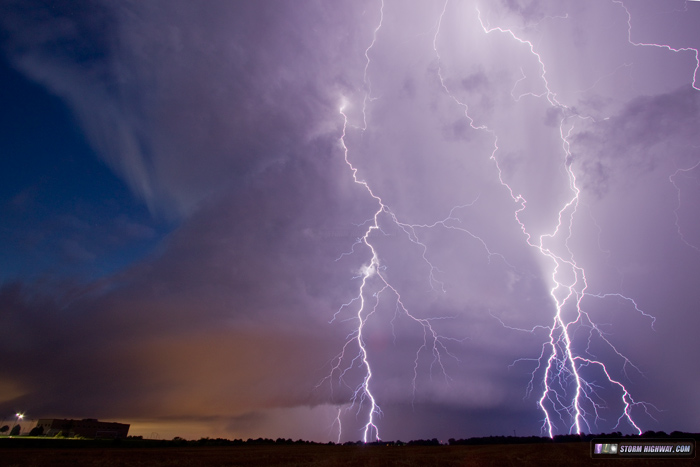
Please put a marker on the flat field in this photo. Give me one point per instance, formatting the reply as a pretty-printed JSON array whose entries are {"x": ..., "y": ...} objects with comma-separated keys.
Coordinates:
[{"x": 569, "y": 454}]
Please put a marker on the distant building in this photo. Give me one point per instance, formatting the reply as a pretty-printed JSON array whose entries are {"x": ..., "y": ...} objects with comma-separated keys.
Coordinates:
[
  {"x": 87, "y": 428},
  {"x": 24, "y": 425}
]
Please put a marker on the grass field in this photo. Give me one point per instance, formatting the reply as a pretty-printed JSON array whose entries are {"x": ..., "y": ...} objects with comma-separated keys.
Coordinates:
[{"x": 569, "y": 454}]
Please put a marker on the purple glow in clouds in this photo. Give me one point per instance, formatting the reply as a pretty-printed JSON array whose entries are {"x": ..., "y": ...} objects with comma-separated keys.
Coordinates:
[
  {"x": 373, "y": 219},
  {"x": 574, "y": 386}
]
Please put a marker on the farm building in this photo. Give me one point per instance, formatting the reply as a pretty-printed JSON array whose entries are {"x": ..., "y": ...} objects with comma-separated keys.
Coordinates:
[{"x": 87, "y": 428}]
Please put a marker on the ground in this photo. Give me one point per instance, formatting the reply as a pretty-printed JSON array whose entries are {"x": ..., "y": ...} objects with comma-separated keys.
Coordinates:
[{"x": 570, "y": 454}]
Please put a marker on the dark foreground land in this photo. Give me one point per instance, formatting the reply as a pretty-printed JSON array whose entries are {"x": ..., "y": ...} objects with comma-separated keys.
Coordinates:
[{"x": 85, "y": 454}]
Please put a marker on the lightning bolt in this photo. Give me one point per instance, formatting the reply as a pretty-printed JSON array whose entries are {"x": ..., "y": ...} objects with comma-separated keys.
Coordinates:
[
  {"x": 569, "y": 398},
  {"x": 432, "y": 341},
  {"x": 692, "y": 50},
  {"x": 562, "y": 365},
  {"x": 366, "y": 303}
]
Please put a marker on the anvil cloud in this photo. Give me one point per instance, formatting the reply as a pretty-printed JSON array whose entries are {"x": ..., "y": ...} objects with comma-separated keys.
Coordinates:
[{"x": 179, "y": 263}]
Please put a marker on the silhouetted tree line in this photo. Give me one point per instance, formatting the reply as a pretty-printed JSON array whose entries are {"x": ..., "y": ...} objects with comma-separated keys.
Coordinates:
[
  {"x": 452, "y": 442},
  {"x": 250, "y": 442},
  {"x": 139, "y": 441},
  {"x": 567, "y": 438}
]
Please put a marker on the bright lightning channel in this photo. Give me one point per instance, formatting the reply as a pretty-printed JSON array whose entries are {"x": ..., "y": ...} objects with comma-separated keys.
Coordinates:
[
  {"x": 432, "y": 341},
  {"x": 561, "y": 365}
]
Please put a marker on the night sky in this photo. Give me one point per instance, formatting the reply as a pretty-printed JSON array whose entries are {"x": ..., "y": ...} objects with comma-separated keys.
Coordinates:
[{"x": 283, "y": 218}]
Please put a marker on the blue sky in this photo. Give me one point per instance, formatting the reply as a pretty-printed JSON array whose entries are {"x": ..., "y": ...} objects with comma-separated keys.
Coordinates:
[{"x": 66, "y": 214}]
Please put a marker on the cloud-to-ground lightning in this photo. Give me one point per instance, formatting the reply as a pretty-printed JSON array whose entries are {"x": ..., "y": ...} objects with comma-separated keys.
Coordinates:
[
  {"x": 566, "y": 371},
  {"x": 566, "y": 394},
  {"x": 432, "y": 341},
  {"x": 354, "y": 220}
]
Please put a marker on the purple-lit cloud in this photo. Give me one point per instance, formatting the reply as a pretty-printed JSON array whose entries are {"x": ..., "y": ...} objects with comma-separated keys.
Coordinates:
[{"x": 474, "y": 129}]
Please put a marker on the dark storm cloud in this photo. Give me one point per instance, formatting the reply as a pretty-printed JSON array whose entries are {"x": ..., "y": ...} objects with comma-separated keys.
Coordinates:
[
  {"x": 180, "y": 100},
  {"x": 647, "y": 134},
  {"x": 222, "y": 101},
  {"x": 226, "y": 117},
  {"x": 233, "y": 314}
]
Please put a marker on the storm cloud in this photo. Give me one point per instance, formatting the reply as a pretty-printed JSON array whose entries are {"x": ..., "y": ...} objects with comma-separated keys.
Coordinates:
[{"x": 270, "y": 136}]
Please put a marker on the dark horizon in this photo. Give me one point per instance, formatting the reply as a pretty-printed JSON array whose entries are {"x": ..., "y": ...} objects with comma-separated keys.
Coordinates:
[{"x": 475, "y": 441}]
